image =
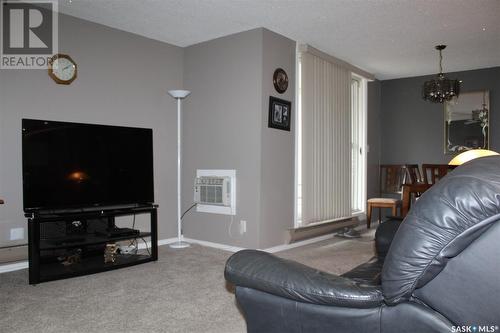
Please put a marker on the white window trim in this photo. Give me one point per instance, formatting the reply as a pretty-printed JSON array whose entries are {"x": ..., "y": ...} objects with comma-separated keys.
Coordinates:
[{"x": 364, "y": 141}]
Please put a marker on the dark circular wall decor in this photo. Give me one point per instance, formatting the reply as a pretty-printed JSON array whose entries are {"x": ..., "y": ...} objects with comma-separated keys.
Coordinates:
[{"x": 280, "y": 80}]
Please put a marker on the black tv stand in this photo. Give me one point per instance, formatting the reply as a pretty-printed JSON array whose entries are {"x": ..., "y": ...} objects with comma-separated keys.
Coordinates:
[{"x": 68, "y": 244}]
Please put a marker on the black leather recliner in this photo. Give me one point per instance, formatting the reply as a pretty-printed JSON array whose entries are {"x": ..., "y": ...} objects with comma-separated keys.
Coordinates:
[{"x": 442, "y": 270}]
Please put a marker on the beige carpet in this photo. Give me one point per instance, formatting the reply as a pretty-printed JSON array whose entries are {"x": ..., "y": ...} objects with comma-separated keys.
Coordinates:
[
  {"x": 184, "y": 291},
  {"x": 336, "y": 255}
]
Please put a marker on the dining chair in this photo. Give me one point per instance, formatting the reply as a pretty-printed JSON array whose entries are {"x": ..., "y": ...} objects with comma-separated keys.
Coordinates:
[
  {"x": 434, "y": 172},
  {"x": 413, "y": 175},
  {"x": 411, "y": 192},
  {"x": 391, "y": 178}
]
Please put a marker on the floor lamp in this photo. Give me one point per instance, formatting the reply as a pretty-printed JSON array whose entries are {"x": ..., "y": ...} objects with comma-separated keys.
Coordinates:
[{"x": 179, "y": 95}]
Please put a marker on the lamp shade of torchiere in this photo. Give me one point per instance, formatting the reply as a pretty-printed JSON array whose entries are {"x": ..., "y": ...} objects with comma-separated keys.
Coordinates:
[
  {"x": 179, "y": 95},
  {"x": 470, "y": 155}
]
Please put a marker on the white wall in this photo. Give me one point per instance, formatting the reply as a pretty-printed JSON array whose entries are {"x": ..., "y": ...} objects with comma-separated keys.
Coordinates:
[{"x": 122, "y": 80}]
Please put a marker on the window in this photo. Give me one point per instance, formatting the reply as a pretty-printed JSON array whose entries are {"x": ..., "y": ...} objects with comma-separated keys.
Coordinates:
[{"x": 330, "y": 141}]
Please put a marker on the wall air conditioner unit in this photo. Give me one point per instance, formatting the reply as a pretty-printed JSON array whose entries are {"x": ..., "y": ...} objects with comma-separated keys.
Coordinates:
[{"x": 215, "y": 191}]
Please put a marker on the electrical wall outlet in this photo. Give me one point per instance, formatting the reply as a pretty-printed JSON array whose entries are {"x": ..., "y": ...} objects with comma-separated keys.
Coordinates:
[
  {"x": 243, "y": 227},
  {"x": 16, "y": 233}
]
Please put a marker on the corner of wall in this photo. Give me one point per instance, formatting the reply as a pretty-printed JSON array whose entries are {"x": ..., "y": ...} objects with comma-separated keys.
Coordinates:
[
  {"x": 222, "y": 131},
  {"x": 374, "y": 137},
  {"x": 277, "y": 146}
]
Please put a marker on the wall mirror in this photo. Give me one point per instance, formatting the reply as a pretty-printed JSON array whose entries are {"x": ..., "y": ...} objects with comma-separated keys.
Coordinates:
[{"x": 466, "y": 122}]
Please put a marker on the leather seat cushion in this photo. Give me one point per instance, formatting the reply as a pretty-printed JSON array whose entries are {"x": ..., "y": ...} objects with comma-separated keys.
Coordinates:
[
  {"x": 371, "y": 271},
  {"x": 368, "y": 273}
]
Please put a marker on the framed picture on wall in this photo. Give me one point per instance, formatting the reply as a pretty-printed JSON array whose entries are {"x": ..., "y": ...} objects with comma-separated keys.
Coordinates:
[{"x": 279, "y": 113}]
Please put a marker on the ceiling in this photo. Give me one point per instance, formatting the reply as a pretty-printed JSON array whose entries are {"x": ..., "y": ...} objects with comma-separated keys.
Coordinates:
[{"x": 389, "y": 38}]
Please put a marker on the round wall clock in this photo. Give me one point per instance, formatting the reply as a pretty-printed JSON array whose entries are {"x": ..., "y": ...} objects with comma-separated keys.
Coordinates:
[
  {"x": 62, "y": 69},
  {"x": 280, "y": 80}
]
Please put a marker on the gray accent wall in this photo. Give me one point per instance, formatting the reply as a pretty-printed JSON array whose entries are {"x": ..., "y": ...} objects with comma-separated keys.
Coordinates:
[
  {"x": 373, "y": 139},
  {"x": 225, "y": 127},
  {"x": 122, "y": 80},
  {"x": 412, "y": 129}
]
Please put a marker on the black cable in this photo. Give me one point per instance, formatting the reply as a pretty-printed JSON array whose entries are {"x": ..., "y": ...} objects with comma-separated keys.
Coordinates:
[
  {"x": 187, "y": 210},
  {"x": 135, "y": 239},
  {"x": 145, "y": 243}
]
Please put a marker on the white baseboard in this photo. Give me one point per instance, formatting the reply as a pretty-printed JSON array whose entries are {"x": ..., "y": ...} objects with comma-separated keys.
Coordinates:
[
  {"x": 14, "y": 266},
  {"x": 194, "y": 241},
  {"x": 166, "y": 241},
  {"x": 214, "y": 245},
  {"x": 161, "y": 242},
  {"x": 273, "y": 249},
  {"x": 284, "y": 247}
]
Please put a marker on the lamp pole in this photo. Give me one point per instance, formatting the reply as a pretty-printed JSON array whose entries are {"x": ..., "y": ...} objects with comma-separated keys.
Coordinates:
[{"x": 179, "y": 95}]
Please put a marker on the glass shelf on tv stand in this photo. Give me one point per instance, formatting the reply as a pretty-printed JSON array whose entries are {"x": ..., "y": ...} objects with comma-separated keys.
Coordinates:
[
  {"x": 89, "y": 265},
  {"x": 89, "y": 239}
]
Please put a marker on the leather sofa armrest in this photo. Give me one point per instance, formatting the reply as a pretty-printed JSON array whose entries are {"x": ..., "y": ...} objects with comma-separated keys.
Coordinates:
[{"x": 266, "y": 272}]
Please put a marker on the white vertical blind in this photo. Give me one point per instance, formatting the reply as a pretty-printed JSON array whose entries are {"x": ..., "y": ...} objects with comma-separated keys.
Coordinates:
[{"x": 325, "y": 140}]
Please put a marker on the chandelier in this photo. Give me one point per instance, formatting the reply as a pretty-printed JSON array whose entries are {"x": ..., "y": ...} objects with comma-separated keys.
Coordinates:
[{"x": 440, "y": 89}]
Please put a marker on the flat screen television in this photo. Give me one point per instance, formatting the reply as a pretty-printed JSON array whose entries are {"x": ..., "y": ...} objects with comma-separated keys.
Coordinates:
[{"x": 72, "y": 165}]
